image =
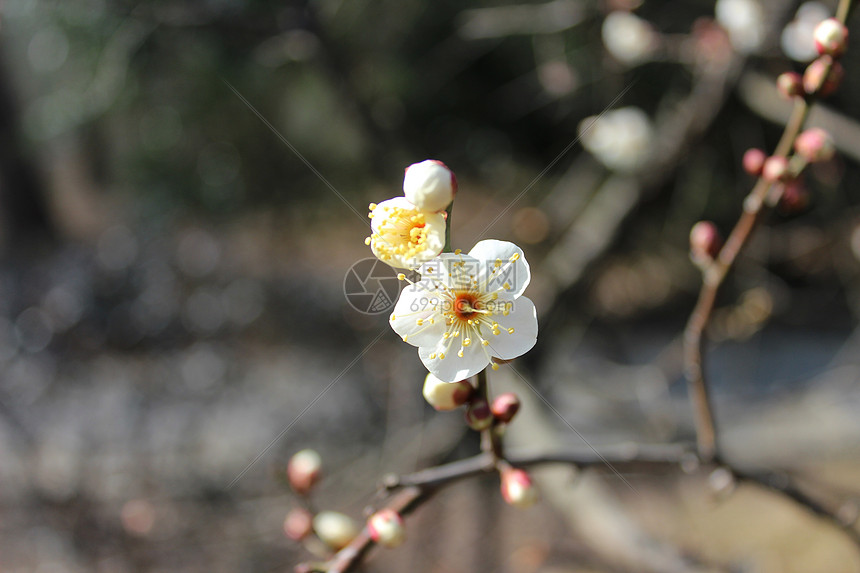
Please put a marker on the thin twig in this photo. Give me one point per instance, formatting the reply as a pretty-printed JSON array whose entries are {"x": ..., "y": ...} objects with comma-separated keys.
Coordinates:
[
  {"x": 410, "y": 491},
  {"x": 715, "y": 274}
]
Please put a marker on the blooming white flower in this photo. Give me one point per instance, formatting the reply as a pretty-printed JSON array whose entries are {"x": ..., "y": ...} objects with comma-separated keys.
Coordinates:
[
  {"x": 429, "y": 185},
  {"x": 630, "y": 39},
  {"x": 468, "y": 309},
  {"x": 621, "y": 139},
  {"x": 404, "y": 236}
]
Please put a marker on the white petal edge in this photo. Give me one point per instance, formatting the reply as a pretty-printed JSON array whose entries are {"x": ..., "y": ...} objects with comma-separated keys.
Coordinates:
[
  {"x": 417, "y": 302},
  {"x": 523, "y": 319},
  {"x": 453, "y": 368},
  {"x": 517, "y": 274}
]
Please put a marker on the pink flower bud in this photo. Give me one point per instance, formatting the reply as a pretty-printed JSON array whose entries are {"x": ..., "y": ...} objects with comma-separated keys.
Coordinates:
[
  {"x": 429, "y": 185},
  {"x": 304, "y": 471},
  {"x": 335, "y": 529},
  {"x": 517, "y": 488},
  {"x": 789, "y": 85},
  {"x": 446, "y": 395},
  {"x": 794, "y": 198},
  {"x": 386, "y": 528},
  {"x": 754, "y": 161},
  {"x": 815, "y": 145},
  {"x": 776, "y": 169},
  {"x": 505, "y": 406},
  {"x": 817, "y": 79},
  {"x": 298, "y": 524},
  {"x": 705, "y": 241},
  {"x": 479, "y": 416},
  {"x": 831, "y": 37}
]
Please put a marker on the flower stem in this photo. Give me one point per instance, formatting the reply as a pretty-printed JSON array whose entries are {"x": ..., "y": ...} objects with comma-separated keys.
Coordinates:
[
  {"x": 491, "y": 438},
  {"x": 448, "y": 209}
]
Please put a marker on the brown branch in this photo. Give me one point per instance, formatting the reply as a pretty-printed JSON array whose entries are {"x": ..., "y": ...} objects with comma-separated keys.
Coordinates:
[
  {"x": 410, "y": 491},
  {"x": 715, "y": 274}
]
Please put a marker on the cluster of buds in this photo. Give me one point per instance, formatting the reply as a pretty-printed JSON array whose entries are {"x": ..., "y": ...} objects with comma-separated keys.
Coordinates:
[
  {"x": 480, "y": 414},
  {"x": 335, "y": 530},
  {"x": 825, "y": 73}
]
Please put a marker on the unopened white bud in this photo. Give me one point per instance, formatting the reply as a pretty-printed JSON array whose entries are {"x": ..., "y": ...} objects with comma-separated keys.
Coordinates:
[
  {"x": 429, "y": 185},
  {"x": 386, "y": 528},
  {"x": 335, "y": 529},
  {"x": 446, "y": 395}
]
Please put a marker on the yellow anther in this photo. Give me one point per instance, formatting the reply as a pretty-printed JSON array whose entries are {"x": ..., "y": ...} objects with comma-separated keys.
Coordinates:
[
  {"x": 367, "y": 241},
  {"x": 485, "y": 342},
  {"x": 498, "y": 263},
  {"x": 405, "y": 337},
  {"x": 506, "y": 286},
  {"x": 420, "y": 322},
  {"x": 515, "y": 257},
  {"x": 446, "y": 336},
  {"x": 494, "y": 365},
  {"x": 392, "y": 317},
  {"x": 467, "y": 341},
  {"x": 511, "y": 330},
  {"x": 456, "y": 334},
  {"x": 460, "y": 353},
  {"x": 372, "y": 206},
  {"x": 458, "y": 251},
  {"x": 401, "y": 277},
  {"x": 441, "y": 356},
  {"x": 433, "y": 356}
]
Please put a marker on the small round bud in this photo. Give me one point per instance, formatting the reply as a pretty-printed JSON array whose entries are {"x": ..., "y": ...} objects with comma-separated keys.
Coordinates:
[
  {"x": 429, "y": 185},
  {"x": 446, "y": 395},
  {"x": 794, "y": 198},
  {"x": 705, "y": 241},
  {"x": 505, "y": 406},
  {"x": 298, "y": 524},
  {"x": 517, "y": 488},
  {"x": 754, "y": 161},
  {"x": 304, "y": 471},
  {"x": 789, "y": 85},
  {"x": 478, "y": 415},
  {"x": 775, "y": 169},
  {"x": 822, "y": 76},
  {"x": 814, "y": 145},
  {"x": 831, "y": 37},
  {"x": 386, "y": 528},
  {"x": 335, "y": 529}
]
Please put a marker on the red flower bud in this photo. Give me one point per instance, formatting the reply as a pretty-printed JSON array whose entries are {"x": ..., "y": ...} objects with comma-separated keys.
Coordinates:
[
  {"x": 705, "y": 241},
  {"x": 818, "y": 80},
  {"x": 831, "y": 37},
  {"x": 517, "y": 488},
  {"x": 789, "y": 85},
  {"x": 794, "y": 198},
  {"x": 479, "y": 416},
  {"x": 505, "y": 406},
  {"x": 775, "y": 169},
  {"x": 304, "y": 471},
  {"x": 298, "y": 524},
  {"x": 386, "y": 528},
  {"x": 754, "y": 161},
  {"x": 815, "y": 145}
]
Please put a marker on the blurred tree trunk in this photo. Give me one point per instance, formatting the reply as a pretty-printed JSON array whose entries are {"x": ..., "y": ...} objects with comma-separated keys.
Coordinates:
[{"x": 24, "y": 218}]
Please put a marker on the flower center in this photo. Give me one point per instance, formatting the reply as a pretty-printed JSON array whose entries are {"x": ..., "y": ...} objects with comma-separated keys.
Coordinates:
[{"x": 466, "y": 305}]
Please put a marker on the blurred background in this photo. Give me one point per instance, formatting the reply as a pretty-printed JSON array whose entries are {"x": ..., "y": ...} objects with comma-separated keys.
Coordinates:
[{"x": 183, "y": 190}]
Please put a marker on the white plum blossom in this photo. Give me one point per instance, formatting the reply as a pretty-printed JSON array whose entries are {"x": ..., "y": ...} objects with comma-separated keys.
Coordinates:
[
  {"x": 429, "y": 185},
  {"x": 621, "y": 139},
  {"x": 630, "y": 39},
  {"x": 404, "y": 236},
  {"x": 797, "y": 39},
  {"x": 744, "y": 20},
  {"x": 468, "y": 310}
]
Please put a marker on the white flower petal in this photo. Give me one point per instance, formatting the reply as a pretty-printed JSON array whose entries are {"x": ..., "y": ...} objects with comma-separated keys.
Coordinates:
[
  {"x": 451, "y": 270},
  {"x": 511, "y": 276},
  {"x": 452, "y": 367},
  {"x": 523, "y": 320},
  {"x": 415, "y": 317}
]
